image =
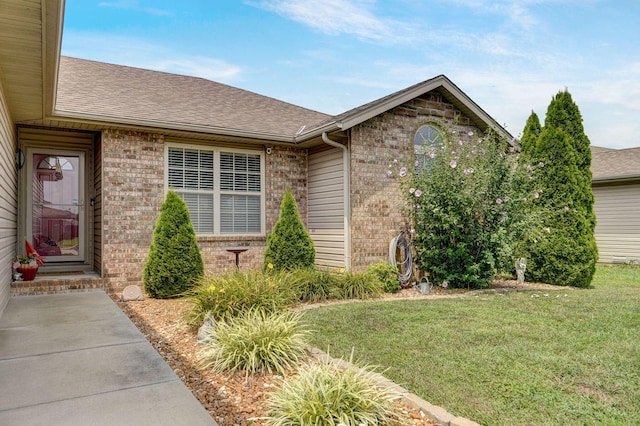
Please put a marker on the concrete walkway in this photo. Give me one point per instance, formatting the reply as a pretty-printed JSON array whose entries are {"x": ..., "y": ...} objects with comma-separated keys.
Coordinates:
[{"x": 76, "y": 359}]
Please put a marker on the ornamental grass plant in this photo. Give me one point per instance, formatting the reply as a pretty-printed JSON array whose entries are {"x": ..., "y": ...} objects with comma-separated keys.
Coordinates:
[
  {"x": 233, "y": 294},
  {"x": 255, "y": 342},
  {"x": 360, "y": 285},
  {"x": 324, "y": 394},
  {"x": 312, "y": 285}
]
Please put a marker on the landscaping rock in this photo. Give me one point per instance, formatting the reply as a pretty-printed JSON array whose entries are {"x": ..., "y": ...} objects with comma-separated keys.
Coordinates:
[
  {"x": 206, "y": 333},
  {"x": 132, "y": 293}
]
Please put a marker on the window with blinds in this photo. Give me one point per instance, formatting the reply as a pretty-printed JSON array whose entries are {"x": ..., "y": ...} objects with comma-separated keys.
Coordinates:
[{"x": 222, "y": 189}]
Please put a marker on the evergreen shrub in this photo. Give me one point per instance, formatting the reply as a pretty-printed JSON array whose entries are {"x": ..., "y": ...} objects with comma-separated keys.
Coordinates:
[
  {"x": 174, "y": 262},
  {"x": 569, "y": 254},
  {"x": 289, "y": 245}
]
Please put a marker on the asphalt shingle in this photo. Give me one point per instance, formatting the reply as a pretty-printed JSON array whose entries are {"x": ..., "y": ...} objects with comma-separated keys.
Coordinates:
[
  {"x": 124, "y": 93},
  {"x": 615, "y": 163}
]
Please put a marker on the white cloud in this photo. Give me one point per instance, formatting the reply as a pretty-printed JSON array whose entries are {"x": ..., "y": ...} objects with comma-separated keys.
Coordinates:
[
  {"x": 336, "y": 17},
  {"x": 148, "y": 55}
]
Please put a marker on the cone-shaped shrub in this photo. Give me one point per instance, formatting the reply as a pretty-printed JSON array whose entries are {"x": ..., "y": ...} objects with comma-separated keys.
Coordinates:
[
  {"x": 174, "y": 262},
  {"x": 289, "y": 245},
  {"x": 530, "y": 136},
  {"x": 569, "y": 254}
]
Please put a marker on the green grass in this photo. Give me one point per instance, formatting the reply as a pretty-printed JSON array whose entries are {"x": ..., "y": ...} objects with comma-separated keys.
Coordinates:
[{"x": 564, "y": 356}]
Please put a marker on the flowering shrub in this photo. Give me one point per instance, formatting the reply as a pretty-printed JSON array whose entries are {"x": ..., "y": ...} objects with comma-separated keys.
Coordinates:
[{"x": 470, "y": 215}]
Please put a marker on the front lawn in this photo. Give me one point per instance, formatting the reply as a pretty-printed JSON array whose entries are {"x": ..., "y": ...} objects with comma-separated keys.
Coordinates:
[{"x": 564, "y": 356}]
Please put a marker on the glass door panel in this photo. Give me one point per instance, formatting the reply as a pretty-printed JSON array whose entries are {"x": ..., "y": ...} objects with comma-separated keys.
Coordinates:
[{"x": 57, "y": 221}]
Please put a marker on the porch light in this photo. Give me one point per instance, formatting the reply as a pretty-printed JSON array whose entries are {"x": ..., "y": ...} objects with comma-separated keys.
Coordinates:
[{"x": 20, "y": 158}]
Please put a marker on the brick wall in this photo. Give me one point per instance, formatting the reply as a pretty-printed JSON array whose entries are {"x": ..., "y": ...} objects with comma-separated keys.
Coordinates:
[
  {"x": 133, "y": 192},
  {"x": 376, "y": 202},
  {"x": 283, "y": 167}
]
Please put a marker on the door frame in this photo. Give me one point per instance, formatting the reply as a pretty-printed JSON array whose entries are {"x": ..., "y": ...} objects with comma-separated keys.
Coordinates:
[
  {"x": 61, "y": 141},
  {"x": 82, "y": 211}
]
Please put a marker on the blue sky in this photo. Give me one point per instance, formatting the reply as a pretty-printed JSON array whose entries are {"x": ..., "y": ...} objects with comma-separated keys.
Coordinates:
[{"x": 509, "y": 56}]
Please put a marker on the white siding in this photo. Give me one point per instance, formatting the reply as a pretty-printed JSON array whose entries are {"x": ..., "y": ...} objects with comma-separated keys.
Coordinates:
[
  {"x": 8, "y": 199},
  {"x": 325, "y": 217},
  {"x": 618, "y": 228}
]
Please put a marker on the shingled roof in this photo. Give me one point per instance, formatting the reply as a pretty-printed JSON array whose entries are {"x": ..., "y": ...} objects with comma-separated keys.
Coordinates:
[
  {"x": 122, "y": 94},
  {"x": 97, "y": 92},
  {"x": 440, "y": 84},
  {"x": 615, "y": 164}
]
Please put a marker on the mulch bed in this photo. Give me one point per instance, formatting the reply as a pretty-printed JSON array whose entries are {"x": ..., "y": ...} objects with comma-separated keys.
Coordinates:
[{"x": 232, "y": 399}]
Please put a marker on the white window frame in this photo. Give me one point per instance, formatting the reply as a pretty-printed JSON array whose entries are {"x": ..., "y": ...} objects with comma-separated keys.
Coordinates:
[{"x": 217, "y": 192}]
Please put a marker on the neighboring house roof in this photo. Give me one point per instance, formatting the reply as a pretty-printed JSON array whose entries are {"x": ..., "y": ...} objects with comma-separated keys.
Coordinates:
[
  {"x": 115, "y": 93},
  {"x": 615, "y": 164}
]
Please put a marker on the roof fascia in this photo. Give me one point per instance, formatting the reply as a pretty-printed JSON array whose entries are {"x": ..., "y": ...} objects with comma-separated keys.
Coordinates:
[
  {"x": 163, "y": 127},
  {"x": 52, "y": 25},
  {"x": 631, "y": 178},
  {"x": 318, "y": 131},
  {"x": 392, "y": 102},
  {"x": 436, "y": 83}
]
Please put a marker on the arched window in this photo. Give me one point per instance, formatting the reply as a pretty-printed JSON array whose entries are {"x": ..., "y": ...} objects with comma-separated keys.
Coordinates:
[{"x": 428, "y": 138}]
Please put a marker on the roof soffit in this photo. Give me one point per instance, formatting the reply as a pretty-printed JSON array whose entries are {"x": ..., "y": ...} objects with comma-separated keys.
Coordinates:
[{"x": 30, "y": 35}]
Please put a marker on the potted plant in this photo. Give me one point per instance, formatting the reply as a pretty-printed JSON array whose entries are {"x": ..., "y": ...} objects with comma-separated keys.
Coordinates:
[{"x": 27, "y": 266}]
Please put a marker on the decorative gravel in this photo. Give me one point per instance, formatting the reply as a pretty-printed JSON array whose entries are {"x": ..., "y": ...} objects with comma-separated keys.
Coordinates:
[{"x": 229, "y": 399}]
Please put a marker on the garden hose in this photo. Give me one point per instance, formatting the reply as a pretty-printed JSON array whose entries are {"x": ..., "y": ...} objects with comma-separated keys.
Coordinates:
[{"x": 400, "y": 256}]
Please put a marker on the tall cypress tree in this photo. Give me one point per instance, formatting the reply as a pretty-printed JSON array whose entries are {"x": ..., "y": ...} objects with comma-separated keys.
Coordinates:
[
  {"x": 563, "y": 113},
  {"x": 530, "y": 135},
  {"x": 569, "y": 253}
]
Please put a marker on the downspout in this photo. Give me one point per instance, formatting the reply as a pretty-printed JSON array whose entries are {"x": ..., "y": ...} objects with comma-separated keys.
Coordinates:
[{"x": 346, "y": 169}]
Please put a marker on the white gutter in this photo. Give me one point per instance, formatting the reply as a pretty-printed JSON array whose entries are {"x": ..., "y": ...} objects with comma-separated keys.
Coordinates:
[
  {"x": 163, "y": 126},
  {"x": 346, "y": 170}
]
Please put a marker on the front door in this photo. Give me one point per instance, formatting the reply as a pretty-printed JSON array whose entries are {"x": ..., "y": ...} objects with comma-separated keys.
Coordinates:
[{"x": 55, "y": 204}]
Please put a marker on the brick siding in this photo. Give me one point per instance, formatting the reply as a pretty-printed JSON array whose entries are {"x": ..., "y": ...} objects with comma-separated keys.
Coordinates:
[
  {"x": 133, "y": 192},
  {"x": 376, "y": 201}
]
